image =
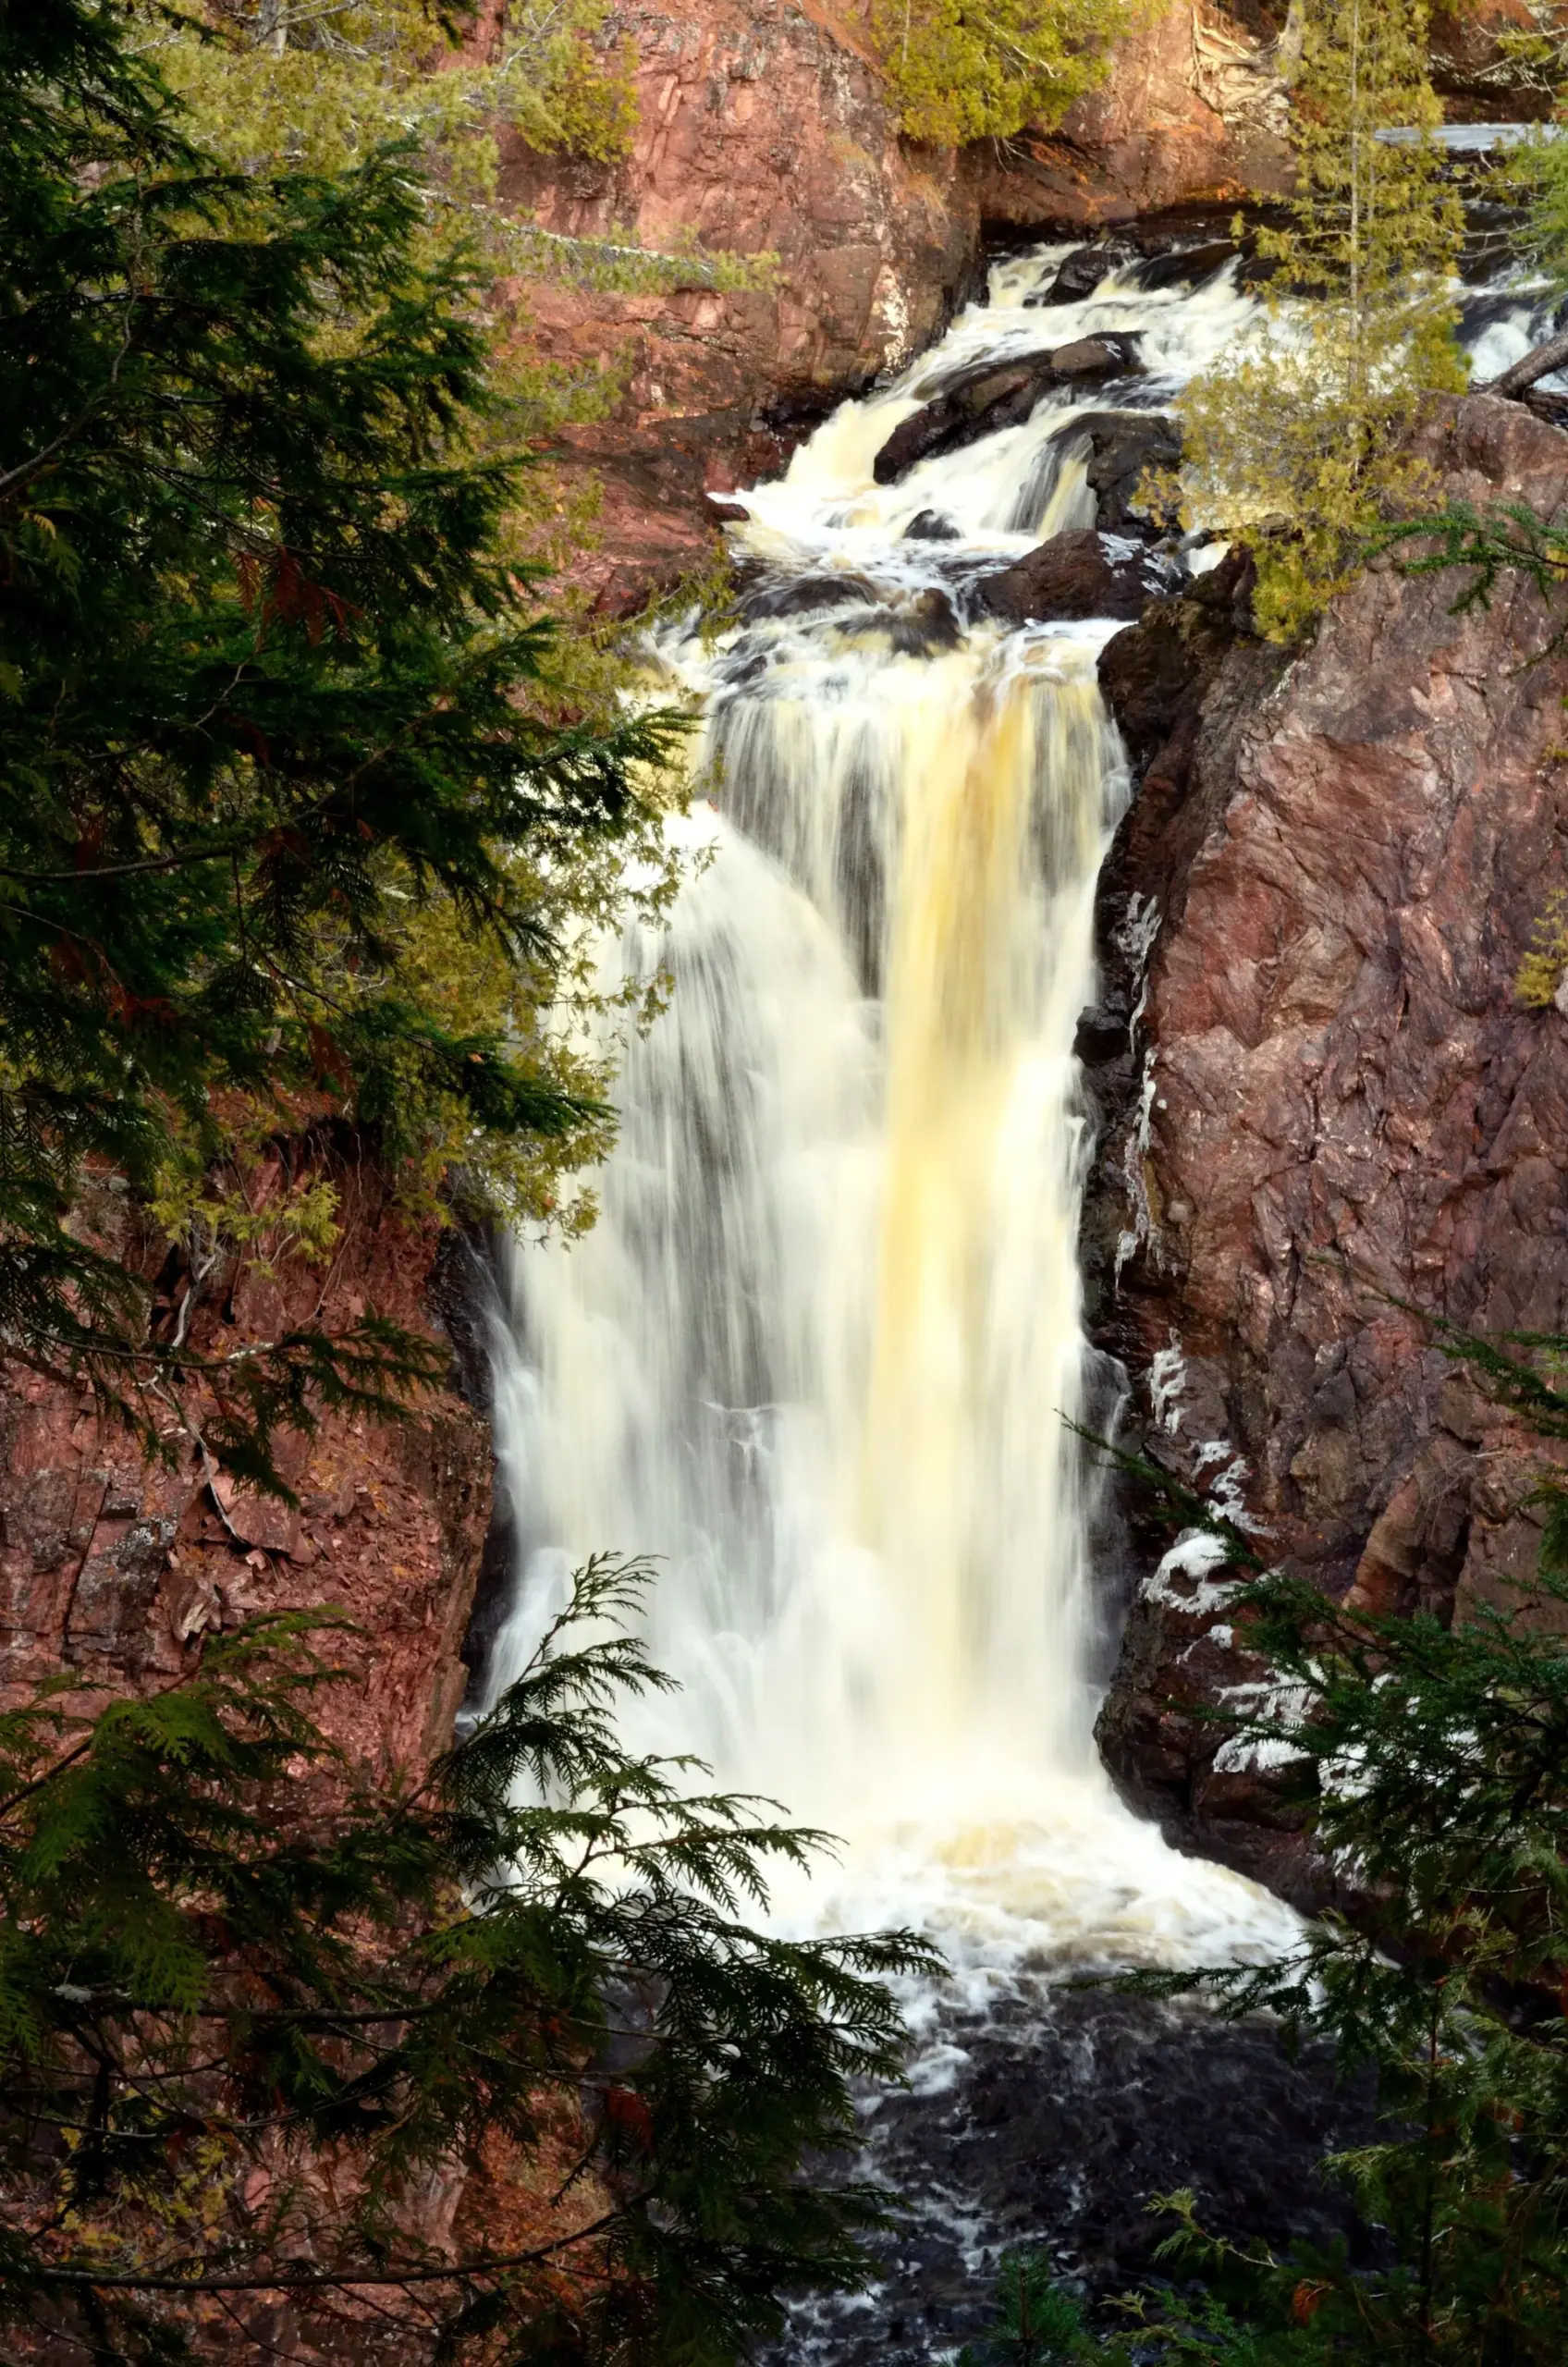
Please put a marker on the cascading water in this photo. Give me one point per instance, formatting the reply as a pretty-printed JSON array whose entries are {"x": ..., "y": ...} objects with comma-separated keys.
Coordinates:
[{"x": 821, "y": 1352}]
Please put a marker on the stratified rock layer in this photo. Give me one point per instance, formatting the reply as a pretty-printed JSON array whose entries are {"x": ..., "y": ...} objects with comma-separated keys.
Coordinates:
[{"x": 1334, "y": 1109}]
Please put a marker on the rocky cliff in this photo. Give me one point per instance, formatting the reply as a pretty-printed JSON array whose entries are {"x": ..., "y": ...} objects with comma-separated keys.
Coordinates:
[
  {"x": 1326, "y": 1108},
  {"x": 113, "y": 1566}
]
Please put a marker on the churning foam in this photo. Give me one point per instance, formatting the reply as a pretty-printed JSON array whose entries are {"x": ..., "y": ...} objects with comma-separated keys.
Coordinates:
[{"x": 820, "y": 1353}]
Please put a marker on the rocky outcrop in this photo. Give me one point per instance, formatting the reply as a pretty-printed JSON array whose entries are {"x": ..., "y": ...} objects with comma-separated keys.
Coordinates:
[
  {"x": 1078, "y": 574},
  {"x": 983, "y": 399},
  {"x": 1193, "y": 111},
  {"x": 1332, "y": 1111},
  {"x": 764, "y": 130},
  {"x": 115, "y": 1567}
]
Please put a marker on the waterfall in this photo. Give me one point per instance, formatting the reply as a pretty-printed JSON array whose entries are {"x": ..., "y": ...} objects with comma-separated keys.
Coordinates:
[{"x": 822, "y": 1353}]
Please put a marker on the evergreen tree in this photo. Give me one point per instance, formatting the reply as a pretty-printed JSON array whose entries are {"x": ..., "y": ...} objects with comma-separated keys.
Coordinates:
[
  {"x": 1294, "y": 441},
  {"x": 277, "y": 722},
  {"x": 254, "y": 2023}
]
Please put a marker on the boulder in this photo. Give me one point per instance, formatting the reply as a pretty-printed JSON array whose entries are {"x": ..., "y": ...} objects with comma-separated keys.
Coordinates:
[
  {"x": 804, "y": 595},
  {"x": 930, "y": 526},
  {"x": 1072, "y": 576},
  {"x": 1185, "y": 266},
  {"x": 922, "y": 627},
  {"x": 1079, "y": 275},
  {"x": 1111, "y": 356},
  {"x": 996, "y": 395},
  {"x": 1125, "y": 447}
]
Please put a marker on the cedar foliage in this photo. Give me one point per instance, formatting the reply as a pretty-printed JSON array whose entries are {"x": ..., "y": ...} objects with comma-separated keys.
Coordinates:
[
  {"x": 255, "y": 2018},
  {"x": 276, "y": 702},
  {"x": 961, "y": 70},
  {"x": 1295, "y": 441}
]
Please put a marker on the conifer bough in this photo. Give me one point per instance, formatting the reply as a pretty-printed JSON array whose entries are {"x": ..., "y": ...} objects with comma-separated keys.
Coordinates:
[
  {"x": 270, "y": 678},
  {"x": 258, "y": 2022}
]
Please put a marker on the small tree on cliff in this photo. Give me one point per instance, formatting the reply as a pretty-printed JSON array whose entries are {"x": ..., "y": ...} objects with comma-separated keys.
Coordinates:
[
  {"x": 260, "y": 2030},
  {"x": 297, "y": 819},
  {"x": 1296, "y": 442},
  {"x": 294, "y": 84},
  {"x": 977, "y": 69}
]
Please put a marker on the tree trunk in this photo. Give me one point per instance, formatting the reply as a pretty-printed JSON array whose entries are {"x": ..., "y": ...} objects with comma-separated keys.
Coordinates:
[{"x": 1538, "y": 363}]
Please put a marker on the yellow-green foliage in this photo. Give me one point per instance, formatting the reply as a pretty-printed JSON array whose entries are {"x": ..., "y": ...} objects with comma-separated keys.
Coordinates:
[
  {"x": 1541, "y": 971},
  {"x": 315, "y": 83},
  {"x": 977, "y": 69},
  {"x": 1295, "y": 441}
]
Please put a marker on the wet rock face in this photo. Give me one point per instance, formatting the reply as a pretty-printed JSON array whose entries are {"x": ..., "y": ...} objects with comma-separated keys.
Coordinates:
[
  {"x": 983, "y": 401},
  {"x": 1077, "y": 574},
  {"x": 1331, "y": 1102},
  {"x": 1057, "y": 2119}
]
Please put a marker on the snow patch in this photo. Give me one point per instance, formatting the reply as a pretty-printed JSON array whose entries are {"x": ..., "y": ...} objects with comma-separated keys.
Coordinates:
[
  {"x": 1194, "y": 1558},
  {"x": 1167, "y": 1382},
  {"x": 1136, "y": 1152}
]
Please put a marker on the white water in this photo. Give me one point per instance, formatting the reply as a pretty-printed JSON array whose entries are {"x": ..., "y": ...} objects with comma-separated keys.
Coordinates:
[{"x": 817, "y": 1352}]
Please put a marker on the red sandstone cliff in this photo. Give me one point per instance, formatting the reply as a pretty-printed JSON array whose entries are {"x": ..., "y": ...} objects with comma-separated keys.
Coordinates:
[
  {"x": 115, "y": 1567},
  {"x": 1345, "y": 1106}
]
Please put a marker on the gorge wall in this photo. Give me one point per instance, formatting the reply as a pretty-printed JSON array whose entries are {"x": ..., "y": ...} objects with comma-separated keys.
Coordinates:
[{"x": 1330, "y": 1109}]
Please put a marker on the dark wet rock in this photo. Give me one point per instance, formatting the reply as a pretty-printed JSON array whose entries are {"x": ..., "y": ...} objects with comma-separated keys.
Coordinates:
[
  {"x": 1111, "y": 356},
  {"x": 1068, "y": 2111},
  {"x": 1125, "y": 447},
  {"x": 928, "y": 623},
  {"x": 930, "y": 526},
  {"x": 996, "y": 395},
  {"x": 806, "y": 596},
  {"x": 1074, "y": 575},
  {"x": 1185, "y": 266},
  {"x": 1102, "y": 1030},
  {"x": 1155, "y": 675},
  {"x": 1079, "y": 275},
  {"x": 992, "y": 398}
]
